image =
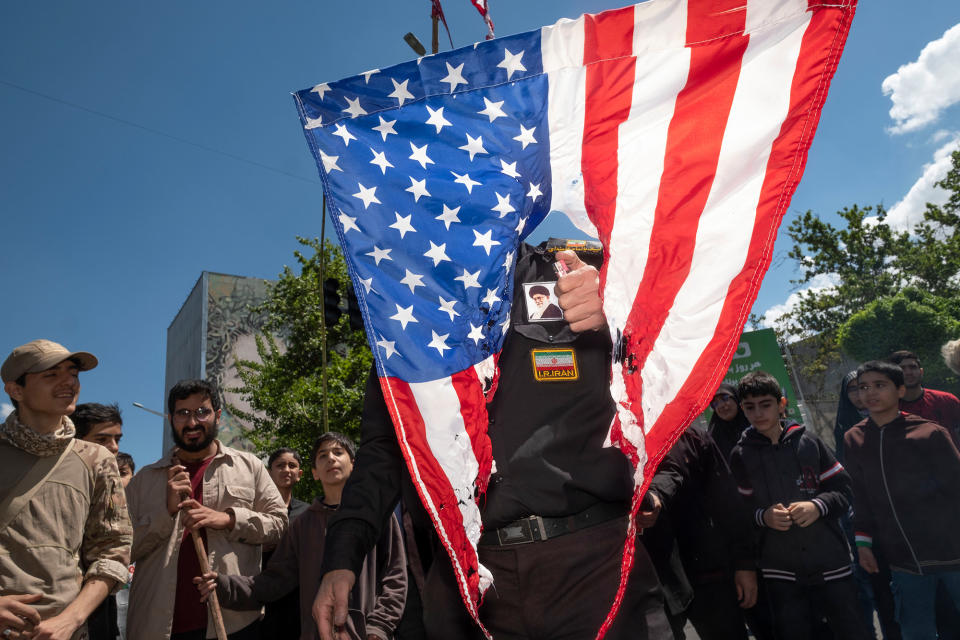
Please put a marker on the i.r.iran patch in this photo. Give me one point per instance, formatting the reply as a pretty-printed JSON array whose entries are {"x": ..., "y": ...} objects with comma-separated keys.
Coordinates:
[{"x": 554, "y": 365}]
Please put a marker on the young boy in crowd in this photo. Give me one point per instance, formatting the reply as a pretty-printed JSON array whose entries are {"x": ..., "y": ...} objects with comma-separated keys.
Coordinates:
[
  {"x": 906, "y": 485},
  {"x": 378, "y": 597},
  {"x": 797, "y": 491},
  {"x": 127, "y": 468}
]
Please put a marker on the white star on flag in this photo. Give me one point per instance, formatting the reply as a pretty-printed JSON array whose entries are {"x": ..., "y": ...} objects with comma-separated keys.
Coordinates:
[
  {"x": 503, "y": 205},
  {"x": 473, "y": 146},
  {"x": 313, "y": 123},
  {"x": 511, "y": 62},
  {"x": 476, "y": 333},
  {"x": 454, "y": 76},
  {"x": 420, "y": 155},
  {"x": 344, "y": 134},
  {"x": 329, "y": 162},
  {"x": 366, "y": 75},
  {"x": 469, "y": 280},
  {"x": 368, "y": 196},
  {"x": 379, "y": 254},
  {"x": 466, "y": 181},
  {"x": 438, "y": 342},
  {"x": 437, "y": 253},
  {"x": 485, "y": 240},
  {"x": 403, "y": 224},
  {"x": 447, "y": 307},
  {"x": 404, "y": 316},
  {"x": 534, "y": 192},
  {"x": 492, "y": 110},
  {"x": 412, "y": 280},
  {"x": 436, "y": 119},
  {"x": 491, "y": 297},
  {"x": 449, "y": 215},
  {"x": 509, "y": 169},
  {"x": 385, "y": 127},
  {"x": 387, "y": 346},
  {"x": 526, "y": 136},
  {"x": 320, "y": 89},
  {"x": 355, "y": 109},
  {"x": 400, "y": 91},
  {"x": 380, "y": 159},
  {"x": 367, "y": 284},
  {"x": 418, "y": 188},
  {"x": 348, "y": 223}
]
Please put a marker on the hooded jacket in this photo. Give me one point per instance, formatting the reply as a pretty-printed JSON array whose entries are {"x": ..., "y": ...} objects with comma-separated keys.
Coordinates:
[
  {"x": 727, "y": 434},
  {"x": 797, "y": 468},
  {"x": 847, "y": 416},
  {"x": 906, "y": 482}
]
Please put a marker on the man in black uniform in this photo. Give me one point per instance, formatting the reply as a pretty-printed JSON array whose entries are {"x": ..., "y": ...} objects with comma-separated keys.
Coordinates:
[{"x": 556, "y": 510}]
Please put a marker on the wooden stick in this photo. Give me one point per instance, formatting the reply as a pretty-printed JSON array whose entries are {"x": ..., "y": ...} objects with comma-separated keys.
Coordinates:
[{"x": 212, "y": 600}]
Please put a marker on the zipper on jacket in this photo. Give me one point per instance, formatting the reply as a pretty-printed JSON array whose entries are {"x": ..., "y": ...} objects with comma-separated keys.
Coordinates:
[{"x": 883, "y": 474}]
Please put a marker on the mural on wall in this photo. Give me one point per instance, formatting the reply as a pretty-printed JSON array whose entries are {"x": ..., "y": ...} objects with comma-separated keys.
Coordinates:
[{"x": 232, "y": 324}]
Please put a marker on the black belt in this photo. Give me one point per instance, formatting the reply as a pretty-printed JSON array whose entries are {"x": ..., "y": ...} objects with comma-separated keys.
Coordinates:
[{"x": 537, "y": 528}]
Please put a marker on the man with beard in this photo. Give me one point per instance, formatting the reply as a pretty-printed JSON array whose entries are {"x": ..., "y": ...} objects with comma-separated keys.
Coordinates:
[{"x": 201, "y": 484}]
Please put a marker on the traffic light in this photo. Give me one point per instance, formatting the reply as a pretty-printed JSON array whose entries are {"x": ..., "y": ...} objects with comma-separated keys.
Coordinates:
[
  {"x": 331, "y": 302},
  {"x": 353, "y": 310}
]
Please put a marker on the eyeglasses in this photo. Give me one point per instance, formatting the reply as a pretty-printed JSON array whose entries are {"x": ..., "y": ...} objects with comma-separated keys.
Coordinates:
[{"x": 203, "y": 414}]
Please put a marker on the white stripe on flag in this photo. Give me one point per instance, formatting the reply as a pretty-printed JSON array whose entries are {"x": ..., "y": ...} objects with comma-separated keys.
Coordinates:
[
  {"x": 723, "y": 236},
  {"x": 561, "y": 50},
  {"x": 662, "y": 64},
  {"x": 450, "y": 444}
]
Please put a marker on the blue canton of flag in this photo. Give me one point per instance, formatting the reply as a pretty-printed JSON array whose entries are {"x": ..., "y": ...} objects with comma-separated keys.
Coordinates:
[{"x": 435, "y": 169}]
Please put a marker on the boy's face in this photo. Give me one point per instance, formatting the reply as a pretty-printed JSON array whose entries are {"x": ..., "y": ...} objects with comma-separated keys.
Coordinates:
[
  {"x": 126, "y": 475},
  {"x": 879, "y": 393},
  {"x": 107, "y": 434},
  {"x": 332, "y": 464},
  {"x": 763, "y": 412},
  {"x": 912, "y": 373}
]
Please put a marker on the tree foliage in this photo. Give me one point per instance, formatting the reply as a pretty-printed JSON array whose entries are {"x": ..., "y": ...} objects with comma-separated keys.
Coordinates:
[
  {"x": 882, "y": 288},
  {"x": 285, "y": 389}
]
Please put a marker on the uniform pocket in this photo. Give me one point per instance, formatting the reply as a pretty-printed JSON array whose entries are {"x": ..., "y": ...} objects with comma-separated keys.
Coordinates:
[{"x": 237, "y": 496}]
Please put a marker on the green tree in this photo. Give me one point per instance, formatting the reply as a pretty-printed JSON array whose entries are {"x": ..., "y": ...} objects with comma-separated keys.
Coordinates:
[
  {"x": 286, "y": 389},
  {"x": 890, "y": 289}
]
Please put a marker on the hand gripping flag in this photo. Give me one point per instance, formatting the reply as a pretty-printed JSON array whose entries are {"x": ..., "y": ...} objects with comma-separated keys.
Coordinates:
[{"x": 673, "y": 131}]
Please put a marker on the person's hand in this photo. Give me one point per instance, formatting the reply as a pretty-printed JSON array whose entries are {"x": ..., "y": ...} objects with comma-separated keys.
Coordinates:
[
  {"x": 60, "y": 627},
  {"x": 647, "y": 518},
  {"x": 746, "y": 583},
  {"x": 330, "y": 605},
  {"x": 867, "y": 560},
  {"x": 777, "y": 517},
  {"x": 17, "y": 615},
  {"x": 197, "y": 516},
  {"x": 578, "y": 293},
  {"x": 206, "y": 584},
  {"x": 803, "y": 513},
  {"x": 178, "y": 485}
]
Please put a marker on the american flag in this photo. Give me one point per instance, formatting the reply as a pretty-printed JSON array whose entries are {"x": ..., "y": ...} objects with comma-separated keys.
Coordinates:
[{"x": 675, "y": 132}]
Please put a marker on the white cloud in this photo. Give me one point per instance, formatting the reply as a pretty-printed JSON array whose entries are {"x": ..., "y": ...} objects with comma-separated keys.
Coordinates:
[
  {"x": 5, "y": 410},
  {"x": 922, "y": 89},
  {"x": 820, "y": 282},
  {"x": 909, "y": 211}
]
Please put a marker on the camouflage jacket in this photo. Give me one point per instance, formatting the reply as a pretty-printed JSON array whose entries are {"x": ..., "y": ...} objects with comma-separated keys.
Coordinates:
[{"x": 75, "y": 526}]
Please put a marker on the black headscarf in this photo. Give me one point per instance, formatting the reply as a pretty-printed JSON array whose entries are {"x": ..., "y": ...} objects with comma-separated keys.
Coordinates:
[
  {"x": 847, "y": 415},
  {"x": 727, "y": 434}
]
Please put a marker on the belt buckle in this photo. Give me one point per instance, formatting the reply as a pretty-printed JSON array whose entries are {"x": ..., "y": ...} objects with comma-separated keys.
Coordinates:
[{"x": 530, "y": 529}]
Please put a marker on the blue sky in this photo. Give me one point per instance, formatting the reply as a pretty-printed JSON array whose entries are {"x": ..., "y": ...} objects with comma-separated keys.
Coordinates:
[{"x": 144, "y": 143}]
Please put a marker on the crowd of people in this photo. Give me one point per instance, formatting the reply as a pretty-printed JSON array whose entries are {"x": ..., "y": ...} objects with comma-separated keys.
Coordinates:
[{"x": 752, "y": 525}]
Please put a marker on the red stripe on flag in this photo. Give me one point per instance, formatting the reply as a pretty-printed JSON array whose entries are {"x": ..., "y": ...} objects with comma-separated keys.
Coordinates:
[
  {"x": 433, "y": 487},
  {"x": 607, "y": 54},
  {"x": 821, "y": 46},
  {"x": 473, "y": 409},
  {"x": 690, "y": 162}
]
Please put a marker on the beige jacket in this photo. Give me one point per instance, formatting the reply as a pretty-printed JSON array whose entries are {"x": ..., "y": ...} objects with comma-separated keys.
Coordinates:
[
  {"x": 73, "y": 527},
  {"x": 235, "y": 481}
]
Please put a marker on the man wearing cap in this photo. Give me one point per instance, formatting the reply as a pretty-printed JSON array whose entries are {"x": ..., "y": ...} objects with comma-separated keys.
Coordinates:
[{"x": 64, "y": 531}]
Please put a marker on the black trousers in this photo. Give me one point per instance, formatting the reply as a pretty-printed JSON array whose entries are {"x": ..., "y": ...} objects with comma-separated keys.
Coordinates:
[
  {"x": 714, "y": 612},
  {"x": 797, "y": 609},
  {"x": 559, "y": 589}
]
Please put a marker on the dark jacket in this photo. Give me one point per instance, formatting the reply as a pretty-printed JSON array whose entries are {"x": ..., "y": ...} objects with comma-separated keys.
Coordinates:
[
  {"x": 906, "y": 484},
  {"x": 703, "y": 518},
  {"x": 798, "y": 468},
  {"x": 727, "y": 434},
  {"x": 378, "y": 596}
]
